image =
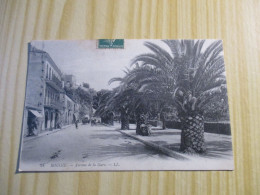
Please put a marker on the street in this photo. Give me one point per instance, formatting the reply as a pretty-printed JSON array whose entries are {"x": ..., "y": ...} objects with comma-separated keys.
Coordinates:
[
  {"x": 103, "y": 148},
  {"x": 87, "y": 144}
]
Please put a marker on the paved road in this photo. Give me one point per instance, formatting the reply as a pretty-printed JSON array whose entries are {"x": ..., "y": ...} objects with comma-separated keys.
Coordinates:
[
  {"x": 103, "y": 148},
  {"x": 87, "y": 144}
]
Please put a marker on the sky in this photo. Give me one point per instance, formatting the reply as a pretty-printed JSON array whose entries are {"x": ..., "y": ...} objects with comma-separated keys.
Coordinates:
[{"x": 89, "y": 64}]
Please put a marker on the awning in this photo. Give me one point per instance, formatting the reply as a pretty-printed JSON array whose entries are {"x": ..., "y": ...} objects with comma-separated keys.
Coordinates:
[{"x": 36, "y": 113}]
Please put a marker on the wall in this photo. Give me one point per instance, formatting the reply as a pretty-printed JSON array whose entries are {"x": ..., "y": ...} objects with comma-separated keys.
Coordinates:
[
  {"x": 234, "y": 21},
  {"x": 35, "y": 89},
  {"x": 35, "y": 77}
]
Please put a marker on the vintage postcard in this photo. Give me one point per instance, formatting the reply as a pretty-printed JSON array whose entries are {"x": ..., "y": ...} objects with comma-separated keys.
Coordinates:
[{"x": 118, "y": 105}]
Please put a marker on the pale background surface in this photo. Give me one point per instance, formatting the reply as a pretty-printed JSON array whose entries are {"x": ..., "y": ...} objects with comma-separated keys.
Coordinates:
[{"x": 237, "y": 22}]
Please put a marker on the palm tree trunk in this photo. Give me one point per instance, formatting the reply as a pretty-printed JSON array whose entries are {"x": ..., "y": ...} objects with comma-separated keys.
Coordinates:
[
  {"x": 142, "y": 119},
  {"x": 111, "y": 120},
  {"x": 124, "y": 120},
  {"x": 163, "y": 121},
  {"x": 163, "y": 124},
  {"x": 192, "y": 135},
  {"x": 139, "y": 121}
]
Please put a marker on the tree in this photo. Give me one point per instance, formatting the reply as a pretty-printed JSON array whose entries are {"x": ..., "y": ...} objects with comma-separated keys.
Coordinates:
[
  {"x": 217, "y": 110},
  {"x": 129, "y": 101},
  {"x": 101, "y": 106},
  {"x": 191, "y": 75},
  {"x": 145, "y": 82},
  {"x": 119, "y": 102},
  {"x": 85, "y": 96},
  {"x": 82, "y": 96},
  {"x": 86, "y": 85}
]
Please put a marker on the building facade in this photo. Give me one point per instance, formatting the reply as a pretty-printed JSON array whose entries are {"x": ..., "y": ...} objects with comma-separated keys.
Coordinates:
[
  {"x": 46, "y": 101},
  {"x": 53, "y": 88},
  {"x": 69, "y": 108},
  {"x": 34, "y": 98},
  {"x": 69, "y": 80}
]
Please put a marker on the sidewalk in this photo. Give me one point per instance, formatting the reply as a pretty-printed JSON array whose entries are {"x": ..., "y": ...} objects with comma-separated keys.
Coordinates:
[
  {"x": 168, "y": 142},
  {"x": 46, "y": 132}
]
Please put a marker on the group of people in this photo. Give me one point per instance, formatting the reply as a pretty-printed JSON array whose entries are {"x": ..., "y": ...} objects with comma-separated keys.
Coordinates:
[{"x": 33, "y": 124}]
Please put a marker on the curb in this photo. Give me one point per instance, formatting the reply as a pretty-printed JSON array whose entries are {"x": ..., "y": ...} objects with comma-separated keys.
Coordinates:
[
  {"x": 157, "y": 147},
  {"x": 45, "y": 133}
]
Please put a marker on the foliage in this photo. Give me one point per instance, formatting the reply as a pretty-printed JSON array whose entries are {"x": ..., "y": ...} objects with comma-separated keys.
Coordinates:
[
  {"x": 101, "y": 105},
  {"x": 129, "y": 97},
  {"x": 83, "y": 96},
  {"x": 217, "y": 110},
  {"x": 86, "y": 85},
  {"x": 189, "y": 77}
]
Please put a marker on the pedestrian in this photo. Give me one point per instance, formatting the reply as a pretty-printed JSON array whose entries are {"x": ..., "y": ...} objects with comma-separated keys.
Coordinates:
[
  {"x": 31, "y": 126},
  {"x": 59, "y": 123},
  {"x": 75, "y": 120},
  {"x": 76, "y": 123}
]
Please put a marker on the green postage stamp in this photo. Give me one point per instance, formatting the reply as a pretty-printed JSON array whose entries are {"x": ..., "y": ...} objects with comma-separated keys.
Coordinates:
[{"x": 110, "y": 44}]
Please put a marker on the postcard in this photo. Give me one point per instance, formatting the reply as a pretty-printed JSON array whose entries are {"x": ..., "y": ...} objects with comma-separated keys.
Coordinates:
[{"x": 125, "y": 105}]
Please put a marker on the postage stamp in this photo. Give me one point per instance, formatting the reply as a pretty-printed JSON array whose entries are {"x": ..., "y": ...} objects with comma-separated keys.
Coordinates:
[
  {"x": 154, "y": 105},
  {"x": 110, "y": 44}
]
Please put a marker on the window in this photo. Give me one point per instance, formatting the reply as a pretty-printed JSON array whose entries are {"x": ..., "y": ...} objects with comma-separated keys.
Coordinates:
[
  {"x": 47, "y": 71},
  {"x": 49, "y": 74},
  {"x": 45, "y": 98}
]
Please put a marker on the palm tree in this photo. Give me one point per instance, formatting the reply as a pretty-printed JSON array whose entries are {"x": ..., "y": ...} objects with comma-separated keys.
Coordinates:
[
  {"x": 148, "y": 81},
  {"x": 102, "y": 110},
  {"x": 129, "y": 101},
  {"x": 119, "y": 102},
  {"x": 189, "y": 76}
]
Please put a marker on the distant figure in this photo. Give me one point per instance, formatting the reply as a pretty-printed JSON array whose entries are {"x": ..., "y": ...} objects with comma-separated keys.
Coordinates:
[
  {"x": 76, "y": 123},
  {"x": 144, "y": 127},
  {"x": 85, "y": 120},
  {"x": 75, "y": 120},
  {"x": 59, "y": 124},
  {"x": 145, "y": 130},
  {"x": 32, "y": 124},
  {"x": 93, "y": 122}
]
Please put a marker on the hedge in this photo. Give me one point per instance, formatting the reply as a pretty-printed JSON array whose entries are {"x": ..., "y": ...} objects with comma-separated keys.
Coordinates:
[{"x": 210, "y": 127}]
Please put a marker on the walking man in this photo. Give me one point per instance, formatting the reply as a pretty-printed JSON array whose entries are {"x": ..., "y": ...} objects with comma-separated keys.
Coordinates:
[{"x": 75, "y": 119}]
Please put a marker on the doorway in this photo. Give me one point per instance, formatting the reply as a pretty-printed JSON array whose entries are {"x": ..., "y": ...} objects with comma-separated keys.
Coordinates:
[{"x": 46, "y": 120}]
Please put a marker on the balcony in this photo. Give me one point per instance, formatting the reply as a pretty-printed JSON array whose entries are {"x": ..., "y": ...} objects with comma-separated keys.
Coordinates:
[
  {"x": 54, "y": 104},
  {"x": 55, "y": 83}
]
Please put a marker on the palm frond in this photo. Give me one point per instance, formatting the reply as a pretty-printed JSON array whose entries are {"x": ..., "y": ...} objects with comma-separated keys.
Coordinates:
[{"x": 116, "y": 79}]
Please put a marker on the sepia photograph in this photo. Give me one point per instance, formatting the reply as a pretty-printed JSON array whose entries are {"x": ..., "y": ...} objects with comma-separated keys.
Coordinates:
[{"x": 125, "y": 105}]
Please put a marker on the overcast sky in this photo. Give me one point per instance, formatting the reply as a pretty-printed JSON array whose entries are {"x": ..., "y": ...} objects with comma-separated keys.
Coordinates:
[{"x": 92, "y": 65}]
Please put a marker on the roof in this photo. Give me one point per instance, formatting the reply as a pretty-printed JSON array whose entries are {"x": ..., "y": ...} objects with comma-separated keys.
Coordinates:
[{"x": 48, "y": 57}]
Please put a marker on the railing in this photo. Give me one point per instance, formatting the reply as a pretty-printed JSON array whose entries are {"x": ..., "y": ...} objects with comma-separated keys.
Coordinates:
[
  {"x": 54, "y": 104},
  {"x": 54, "y": 82}
]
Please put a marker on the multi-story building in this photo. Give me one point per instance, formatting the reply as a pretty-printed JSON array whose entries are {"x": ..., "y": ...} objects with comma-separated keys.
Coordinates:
[
  {"x": 34, "y": 99},
  {"x": 45, "y": 99},
  {"x": 69, "y": 80},
  {"x": 69, "y": 108},
  {"x": 53, "y": 105}
]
